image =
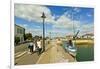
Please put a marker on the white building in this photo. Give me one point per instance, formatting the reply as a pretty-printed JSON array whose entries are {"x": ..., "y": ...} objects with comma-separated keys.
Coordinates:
[{"x": 19, "y": 32}]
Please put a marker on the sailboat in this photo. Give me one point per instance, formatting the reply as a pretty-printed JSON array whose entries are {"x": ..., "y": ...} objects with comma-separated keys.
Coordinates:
[
  {"x": 71, "y": 44},
  {"x": 71, "y": 48}
]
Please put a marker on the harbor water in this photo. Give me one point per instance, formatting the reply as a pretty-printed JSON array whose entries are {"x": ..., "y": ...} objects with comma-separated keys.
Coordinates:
[{"x": 84, "y": 52}]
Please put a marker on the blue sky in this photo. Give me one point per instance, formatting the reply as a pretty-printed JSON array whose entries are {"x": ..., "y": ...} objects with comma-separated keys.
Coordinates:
[{"x": 59, "y": 19}]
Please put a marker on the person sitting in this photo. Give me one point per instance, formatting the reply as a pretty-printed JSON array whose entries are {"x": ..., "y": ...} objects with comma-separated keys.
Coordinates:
[{"x": 70, "y": 43}]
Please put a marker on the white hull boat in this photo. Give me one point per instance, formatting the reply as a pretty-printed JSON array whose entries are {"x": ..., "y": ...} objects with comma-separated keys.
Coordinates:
[{"x": 71, "y": 49}]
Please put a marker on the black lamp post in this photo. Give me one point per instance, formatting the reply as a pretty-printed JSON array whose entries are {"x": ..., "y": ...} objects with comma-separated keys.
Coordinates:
[{"x": 43, "y": 16}]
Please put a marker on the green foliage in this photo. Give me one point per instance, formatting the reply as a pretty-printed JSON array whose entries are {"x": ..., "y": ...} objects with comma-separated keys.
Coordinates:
[
  {"x": 37, "y": 37},
  {"x": 17, "y": 40},
  {"x": 28, "y": 36}
]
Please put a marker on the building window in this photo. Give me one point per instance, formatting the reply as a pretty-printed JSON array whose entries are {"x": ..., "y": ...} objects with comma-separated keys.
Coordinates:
[{"x": 19, "y": 31}]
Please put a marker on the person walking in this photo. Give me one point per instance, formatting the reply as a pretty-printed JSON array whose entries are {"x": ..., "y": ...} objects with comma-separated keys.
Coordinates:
[
  {"x": 31, "y": 47},
  {"x": 39, "y": 47},
  {"x": 35, "y": 46}
]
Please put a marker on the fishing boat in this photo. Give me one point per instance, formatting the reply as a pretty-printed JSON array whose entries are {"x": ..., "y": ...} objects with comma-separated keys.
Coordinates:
[
  {"x": 71, "y": 49},
  {"x": 70, "y": 45}
]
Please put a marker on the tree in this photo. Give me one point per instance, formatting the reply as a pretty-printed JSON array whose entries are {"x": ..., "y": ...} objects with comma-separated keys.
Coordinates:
[
  {"x": 28, "y": 36},
  {"x": 36, "y": 37},
  {"x": 17, "y": 40}
]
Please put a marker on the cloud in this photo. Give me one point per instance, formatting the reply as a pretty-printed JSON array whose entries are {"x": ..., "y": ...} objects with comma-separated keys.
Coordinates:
[
  {"x": 66, "y": 22},
  {"x": 89, "y": 15},
  {"x": 34, "y": 31},
  {"x": 87, "y": 28},
  {"x": 60, "y": 23},
  {"x": 23, "y": 25},
  {"x": 76, "y": 9},
  {"x": 33, "y": 12}
]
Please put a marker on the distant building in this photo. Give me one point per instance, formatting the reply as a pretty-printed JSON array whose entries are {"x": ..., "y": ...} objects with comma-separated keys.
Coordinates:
[
  {"x": 88, "y": 36},
  {"x": 69, "y": 36},
  {"x": 19, "y": 32}
]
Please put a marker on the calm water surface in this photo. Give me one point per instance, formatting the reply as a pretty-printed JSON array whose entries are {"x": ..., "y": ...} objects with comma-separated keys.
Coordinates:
[{"x": 84, "y": 52}]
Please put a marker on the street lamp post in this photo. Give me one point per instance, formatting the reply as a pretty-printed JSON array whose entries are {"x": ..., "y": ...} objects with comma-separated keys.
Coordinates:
[{"x": 43, "y": 16}]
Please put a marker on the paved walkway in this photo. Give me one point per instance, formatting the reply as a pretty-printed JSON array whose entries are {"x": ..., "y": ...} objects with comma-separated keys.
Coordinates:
[
  {"x": 55, "y": 54},
  {"x": 27, "y": 59}
]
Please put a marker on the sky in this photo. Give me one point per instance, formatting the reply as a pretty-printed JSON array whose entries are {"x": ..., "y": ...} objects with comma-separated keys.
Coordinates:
[{"x": 60, "y": 20}]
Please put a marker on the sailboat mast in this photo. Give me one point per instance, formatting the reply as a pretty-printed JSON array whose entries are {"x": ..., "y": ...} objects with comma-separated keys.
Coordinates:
[{"x": 73, "y": 23}]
